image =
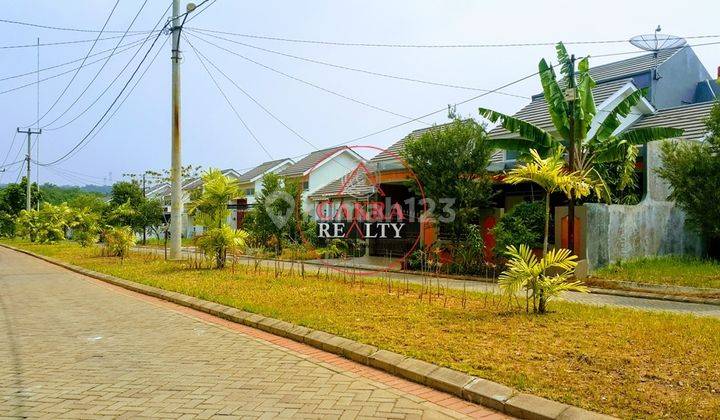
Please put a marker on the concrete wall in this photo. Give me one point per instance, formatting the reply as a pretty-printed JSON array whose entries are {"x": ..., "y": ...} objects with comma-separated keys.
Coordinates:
[{"x": 653, "y": 227}]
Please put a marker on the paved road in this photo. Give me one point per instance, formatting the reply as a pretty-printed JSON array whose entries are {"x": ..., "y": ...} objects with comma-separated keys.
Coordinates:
[
  {"x": 75, "y": 347},
  {"x": 584, "y": 298}
]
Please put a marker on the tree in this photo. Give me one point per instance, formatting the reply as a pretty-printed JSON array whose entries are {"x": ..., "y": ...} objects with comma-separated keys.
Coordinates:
[
  {"x": 551, "y": 175},
  {"x": 526, "y": 272},
  {"x": 211, "y": 210},
  {"x": 693, "y": 171},
  {"x": 573, "y": 120},
  {"x": 124, "y": 192},
  {"x": 13, "y": 197},
  {"x": 451, "y": 163}
]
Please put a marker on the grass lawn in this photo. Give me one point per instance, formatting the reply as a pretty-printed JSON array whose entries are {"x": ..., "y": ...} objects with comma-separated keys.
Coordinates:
[
  {"x": 621, "y": 362},
  {"x": 671, "y": 270}
]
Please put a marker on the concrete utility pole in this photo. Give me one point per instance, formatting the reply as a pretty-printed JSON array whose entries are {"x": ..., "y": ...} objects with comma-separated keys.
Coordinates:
[
  {"x": 29, "y": 132},
  {"x": 176, "y": 205}
]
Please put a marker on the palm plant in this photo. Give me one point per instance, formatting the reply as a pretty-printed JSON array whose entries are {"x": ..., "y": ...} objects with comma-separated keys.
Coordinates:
[
  {"x": 526, "y": 272},
  {"x": 591, "y": 137},
  {"x": 552, "y": 175}
]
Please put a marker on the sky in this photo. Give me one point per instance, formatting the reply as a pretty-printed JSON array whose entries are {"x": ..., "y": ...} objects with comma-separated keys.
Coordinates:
[{"x": 296, "y": 96}]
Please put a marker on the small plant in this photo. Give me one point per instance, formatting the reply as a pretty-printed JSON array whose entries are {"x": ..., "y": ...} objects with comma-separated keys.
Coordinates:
[
  {"x": 542, "y": 279},
  {"x": 85, "y": 227},
  {"x": 119, "y": 241},
  {"x": 218, "y": 242}
]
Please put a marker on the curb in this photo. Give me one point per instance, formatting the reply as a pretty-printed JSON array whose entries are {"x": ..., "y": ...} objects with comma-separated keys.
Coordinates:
[{"x": 462, "y": 385}]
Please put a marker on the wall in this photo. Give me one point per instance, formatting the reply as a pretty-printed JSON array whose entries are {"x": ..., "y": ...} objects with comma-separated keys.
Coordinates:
[
  {"x": 653, "y": 227},
  {"x": 679, "y": 77}
]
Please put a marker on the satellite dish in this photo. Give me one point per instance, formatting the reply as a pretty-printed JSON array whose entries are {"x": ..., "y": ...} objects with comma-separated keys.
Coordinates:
[{"x": 658, "y": 42}]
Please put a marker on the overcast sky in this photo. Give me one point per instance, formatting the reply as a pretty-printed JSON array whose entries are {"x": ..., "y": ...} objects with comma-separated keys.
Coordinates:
[{"x": 138, "y": 136}]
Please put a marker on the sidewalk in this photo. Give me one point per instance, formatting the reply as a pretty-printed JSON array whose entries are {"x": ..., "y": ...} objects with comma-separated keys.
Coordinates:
[{"x": 600, "y": 299}]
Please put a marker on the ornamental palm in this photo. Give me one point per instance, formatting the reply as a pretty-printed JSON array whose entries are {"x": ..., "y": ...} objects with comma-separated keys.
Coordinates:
[
  {"x": 590, "y": 136},
  {"x": 553, "y": 176},
  {"x": 211, "y": 204}
]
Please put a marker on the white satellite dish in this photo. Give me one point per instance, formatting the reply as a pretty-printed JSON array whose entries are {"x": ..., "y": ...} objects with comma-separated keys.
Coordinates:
[{"x": 658, "y": 42}]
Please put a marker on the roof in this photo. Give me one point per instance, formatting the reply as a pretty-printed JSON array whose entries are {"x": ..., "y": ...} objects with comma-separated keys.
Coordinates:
[
  {"x": 536, "y": 112},
  {"x": 261, "y": 169},
  {"x": 690, "y": 118},
  {"x": 310, "y": 161},
  {"x": 196, "y": 182},
  {"x": 631, "y": 66},
  {"x": 396, "y": 148}
]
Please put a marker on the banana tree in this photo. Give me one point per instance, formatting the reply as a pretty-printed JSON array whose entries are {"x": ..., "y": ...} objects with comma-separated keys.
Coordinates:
[{"x": 589, "y": 135}]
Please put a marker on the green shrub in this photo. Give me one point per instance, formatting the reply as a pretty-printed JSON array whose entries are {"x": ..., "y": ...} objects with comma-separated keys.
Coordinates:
[
  {"x": 85, "y": 227},
  {"x": 119, "y": 240},
  {"x": 523, "y": 224},
  {"x": 217, "y": 242}
]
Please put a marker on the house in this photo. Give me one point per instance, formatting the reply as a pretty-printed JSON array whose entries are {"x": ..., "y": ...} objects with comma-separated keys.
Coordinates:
[
  {"x": 250, "y": 183},
  {"x": 680, "y": 95},
  {"x": 189, "y": 229},
  {"x": 319, "y": 168}
]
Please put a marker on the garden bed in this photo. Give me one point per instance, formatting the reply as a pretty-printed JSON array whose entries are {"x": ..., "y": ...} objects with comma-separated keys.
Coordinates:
[
  {"x": 617, "y": 361},
  {"x": 684, "y": 272}
]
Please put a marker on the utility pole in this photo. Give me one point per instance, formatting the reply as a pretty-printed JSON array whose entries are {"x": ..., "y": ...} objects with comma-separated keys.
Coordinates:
[
  {"x": 176, "y": 204},
  {"x": 28, "y": 191},
  {"x": 144, "y": 195}
]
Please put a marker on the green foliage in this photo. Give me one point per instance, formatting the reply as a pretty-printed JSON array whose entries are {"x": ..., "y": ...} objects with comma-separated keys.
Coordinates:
[
  {"x": 218, "y": 242},
  {"x": 13, "y": 197},
  {"x": 543, "y": 279},
  {"x": 129, "y": 207},
  {"x": 523, "y": 224},
  {"x": 119, "y": 241},
  {"x": 54, "y": 194},
  {"x": 468, "y": 256},
  {"x": 210, "y": 207},
  {"x": 85, "y": 225},
  {"x": 125, "y": 191},
  {"x": 7, "y": 225},
  {"x": 451, "y": 162},
  {"x": 602, "y": 146},
  {"x": 693, "y": 171},
  {"x": 47, "y": 225}
]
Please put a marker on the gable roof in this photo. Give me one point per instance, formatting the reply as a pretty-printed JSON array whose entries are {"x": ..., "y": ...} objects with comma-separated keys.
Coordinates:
[
  {"x": 311, "y": 160},
  {"x": 261, "y": 169},
  {"x": 631, "y": 66},
  {"x": 690, "y": 118},
  {"x": 396, "y": 148},
  {"x": 196, "y": 182},
  {"x": 536, "y": 112}
]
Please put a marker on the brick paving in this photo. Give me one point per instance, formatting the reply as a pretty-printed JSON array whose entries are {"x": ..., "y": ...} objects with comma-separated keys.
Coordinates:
[{"x": 74, "y": 347}]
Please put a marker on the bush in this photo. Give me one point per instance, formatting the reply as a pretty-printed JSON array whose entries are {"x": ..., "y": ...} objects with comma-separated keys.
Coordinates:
[
  {"x": 47, "y": 225},
  {"x": 217, "y": 242},
  {"x": 85, "y": 227},
  {"x": 523, "y": 224},
  {"x": 119, "y": 240},
  {"x": 7, "y": 225}
]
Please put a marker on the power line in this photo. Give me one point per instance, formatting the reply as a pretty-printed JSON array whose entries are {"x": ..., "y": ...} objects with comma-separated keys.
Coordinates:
[
  {"x": 364, "y": 71},
  {"x": 202, "y": 57},
  {"x": 59, "y": 28},
  {"x": 132, "y": 89},
  {"x": 79, "y": 41},
  {"x": 237, "y": 114},
  {"x": 201, "y": 11},
  {"x": 7, "y": 155},
  {"x": 119, "y": 51},
  {"x": 340, "y": 95},
  {"x": 400, "y": 45},
  {"x": 94, "y": 78},
  {"x": 78, "y": 70},
  {"x": 65, "y": 63},
  {"x": 82, "y": 141}
]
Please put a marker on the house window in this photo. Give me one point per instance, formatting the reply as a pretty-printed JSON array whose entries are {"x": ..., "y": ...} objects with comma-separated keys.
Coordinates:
[
  {"x": 250, "y": 192},
  {"x": 306, "y": 185}
]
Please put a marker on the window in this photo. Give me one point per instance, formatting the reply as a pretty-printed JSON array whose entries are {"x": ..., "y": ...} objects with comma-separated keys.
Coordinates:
[
  {"x": 306, "y": 185},
  {"x": 250, "y": 192}
]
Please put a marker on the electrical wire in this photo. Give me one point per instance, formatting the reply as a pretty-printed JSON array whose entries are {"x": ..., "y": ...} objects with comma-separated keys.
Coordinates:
[
  {"x": 79, "y": 41},
  {"x": 202, "y": 57},
  {"x": 340, "y": 95},
  {"x": 201, "y": 11},
  {"x": 127, "y": 83},
  {"x": 46, "y": 127},
  {"x": 364, "y": 71},
  {"x": 119, "y": 51},
  {"x": 7, "y": 155},
  {"x": 397, "y": 45},
  {"x": 132, "y": 89},
  {"x": 59, "y": 28},
  {"x": 78, "y": 70},
  {"x": 237, "y": 114}
]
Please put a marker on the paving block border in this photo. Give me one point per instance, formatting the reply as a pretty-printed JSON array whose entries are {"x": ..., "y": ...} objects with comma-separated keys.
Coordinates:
[{"x": 462, "y": 385}]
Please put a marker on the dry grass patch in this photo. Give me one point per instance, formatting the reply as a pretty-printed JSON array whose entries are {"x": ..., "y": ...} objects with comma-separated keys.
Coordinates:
[{"x": 617, "y": 361}]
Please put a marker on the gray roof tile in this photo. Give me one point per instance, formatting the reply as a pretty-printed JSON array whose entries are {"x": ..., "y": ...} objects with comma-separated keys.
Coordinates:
[
  {"x": 309, "y": 161},
  {"x": 261, "y": 169},
  {"x": 690, "y": 118}
]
